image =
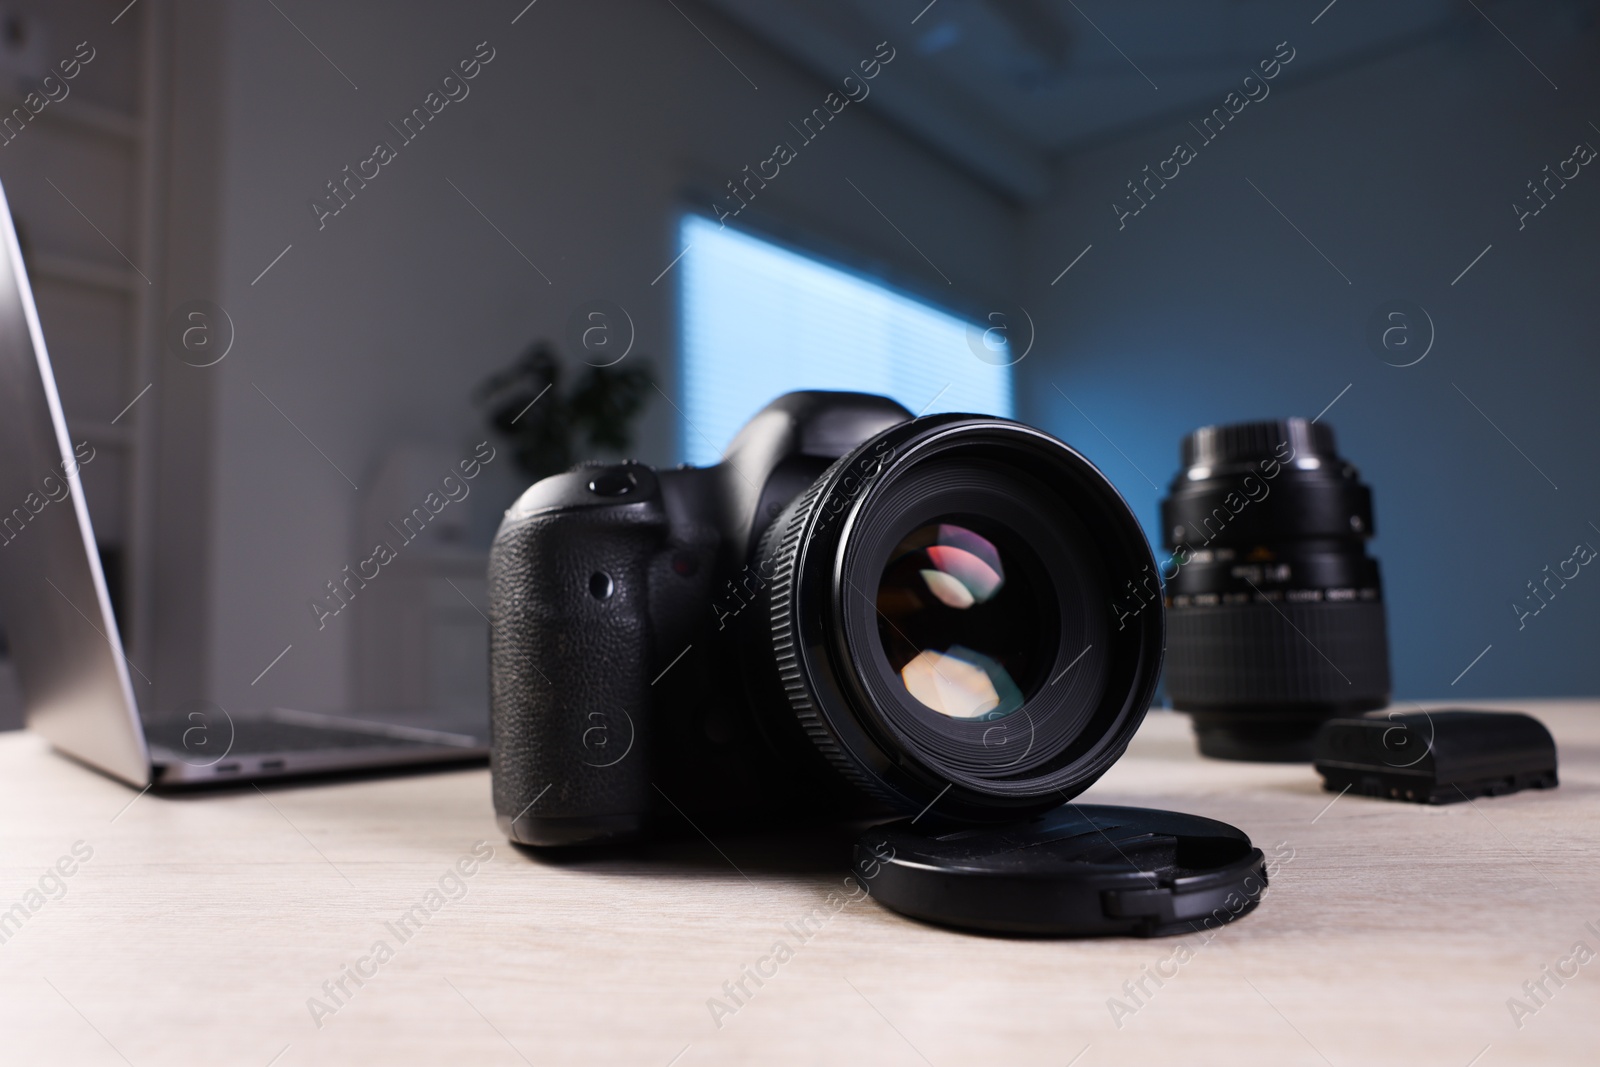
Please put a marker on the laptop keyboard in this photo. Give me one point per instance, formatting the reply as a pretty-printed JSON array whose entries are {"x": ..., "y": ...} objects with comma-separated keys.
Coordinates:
[{"x": 266, "y": 735}]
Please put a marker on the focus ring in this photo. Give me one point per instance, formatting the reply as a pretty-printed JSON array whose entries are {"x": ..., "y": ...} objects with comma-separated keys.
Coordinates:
[
  {"x": 781, "y": 544},
  {"x": 1239, "y": 656}
]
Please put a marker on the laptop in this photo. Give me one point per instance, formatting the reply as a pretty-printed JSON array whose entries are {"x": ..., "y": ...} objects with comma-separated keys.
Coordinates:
[{"x": 79, "y": 689}]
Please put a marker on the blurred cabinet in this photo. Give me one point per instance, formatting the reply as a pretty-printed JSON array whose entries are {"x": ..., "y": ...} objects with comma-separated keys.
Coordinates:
[
  {"x": 422, "y": 639},
  {"x": 421, "y": 626}
]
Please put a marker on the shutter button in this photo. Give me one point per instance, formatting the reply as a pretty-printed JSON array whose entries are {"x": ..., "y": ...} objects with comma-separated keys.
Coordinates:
[{"x": 614, "y": 481}]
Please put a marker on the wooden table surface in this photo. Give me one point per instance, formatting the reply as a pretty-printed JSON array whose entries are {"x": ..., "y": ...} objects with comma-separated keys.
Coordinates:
[{"x": 200, "y": 929}]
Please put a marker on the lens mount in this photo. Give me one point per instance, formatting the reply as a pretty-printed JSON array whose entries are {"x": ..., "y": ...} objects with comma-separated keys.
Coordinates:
[{"x": 941, "y": 619}]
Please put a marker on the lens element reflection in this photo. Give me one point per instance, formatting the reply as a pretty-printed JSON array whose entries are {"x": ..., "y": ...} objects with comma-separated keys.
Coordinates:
[
  {"x": 966, "y": 568},
  {"x": 953, "y": 627},
  {"x": 961, "y": 683}
]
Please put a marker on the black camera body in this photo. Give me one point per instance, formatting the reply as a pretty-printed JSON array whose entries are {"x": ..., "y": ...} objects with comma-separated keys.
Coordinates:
[{"x": 857, "y": 612}]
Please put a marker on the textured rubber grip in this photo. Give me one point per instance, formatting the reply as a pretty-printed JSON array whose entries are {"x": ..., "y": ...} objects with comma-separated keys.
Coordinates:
[
  {"x": 569, "y": 657},
  {"x": 1265, "y": 655}
]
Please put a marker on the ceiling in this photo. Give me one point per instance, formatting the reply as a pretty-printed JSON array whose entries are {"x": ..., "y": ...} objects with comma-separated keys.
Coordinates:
[{"x": 1007, "y": 87}]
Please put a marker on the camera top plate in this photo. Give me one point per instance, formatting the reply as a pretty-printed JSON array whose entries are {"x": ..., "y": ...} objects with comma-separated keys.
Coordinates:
[{"x": 1079, "y": 870}]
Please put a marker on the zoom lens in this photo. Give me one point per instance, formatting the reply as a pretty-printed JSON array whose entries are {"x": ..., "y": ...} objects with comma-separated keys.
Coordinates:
[
  {"x": 1275, "y": 618},
  {"x": 939, "y": 618}
]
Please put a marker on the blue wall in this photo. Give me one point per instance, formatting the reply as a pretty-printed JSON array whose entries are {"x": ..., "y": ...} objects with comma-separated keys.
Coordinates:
[{"x": 1209, "y": 307}]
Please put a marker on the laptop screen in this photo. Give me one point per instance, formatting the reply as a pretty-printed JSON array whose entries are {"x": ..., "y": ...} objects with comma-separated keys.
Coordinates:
[{"x": 77, "y": 684}]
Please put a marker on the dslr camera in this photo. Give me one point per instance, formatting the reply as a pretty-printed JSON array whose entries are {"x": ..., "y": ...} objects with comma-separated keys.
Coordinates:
[{"x": 856, "y": 613}]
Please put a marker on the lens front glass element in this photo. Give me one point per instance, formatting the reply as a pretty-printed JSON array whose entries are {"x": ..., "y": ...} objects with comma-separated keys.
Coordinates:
[{"x": 960, "y": 620}]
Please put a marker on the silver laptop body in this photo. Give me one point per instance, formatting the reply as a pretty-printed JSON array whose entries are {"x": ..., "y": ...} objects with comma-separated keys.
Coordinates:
[{"x": 79, "y": 689}]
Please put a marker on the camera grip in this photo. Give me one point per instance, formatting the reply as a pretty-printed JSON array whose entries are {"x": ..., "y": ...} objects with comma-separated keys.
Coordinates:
[{"x": 569, "y": 653}]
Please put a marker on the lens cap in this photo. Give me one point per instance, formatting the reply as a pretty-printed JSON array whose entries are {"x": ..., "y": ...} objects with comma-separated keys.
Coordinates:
[{"x": 1077, "y": 871}]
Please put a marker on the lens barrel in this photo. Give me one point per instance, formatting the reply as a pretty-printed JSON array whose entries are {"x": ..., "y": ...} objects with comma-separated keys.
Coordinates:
[
  {"x": 1275, "y": 611},
  {"x": 937, "y": 619}
]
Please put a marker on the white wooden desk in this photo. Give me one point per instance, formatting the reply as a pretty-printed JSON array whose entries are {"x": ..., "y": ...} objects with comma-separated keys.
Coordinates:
[{"x": 200, "y": 927}]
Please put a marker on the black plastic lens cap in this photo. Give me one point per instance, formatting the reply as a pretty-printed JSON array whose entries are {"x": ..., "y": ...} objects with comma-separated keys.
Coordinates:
[{"x": 1080, "y": 870}]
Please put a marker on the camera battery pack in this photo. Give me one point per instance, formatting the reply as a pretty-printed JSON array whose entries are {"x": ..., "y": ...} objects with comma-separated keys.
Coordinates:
[{"x": 1436, "y": 757}]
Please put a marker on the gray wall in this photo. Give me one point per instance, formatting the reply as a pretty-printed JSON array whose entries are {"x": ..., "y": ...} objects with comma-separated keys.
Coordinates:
[
  {"x": 590, "y": 126},
  {"x": 1209, "y": 307},
  {"x": 595, "y": 124}
]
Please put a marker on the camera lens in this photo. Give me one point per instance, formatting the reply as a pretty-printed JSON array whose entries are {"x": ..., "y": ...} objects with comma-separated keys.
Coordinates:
[
  {"x": 1275, "y": 618},
  {"x": 939, "y": 619},
  {"x": 959, "y": 622}
]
